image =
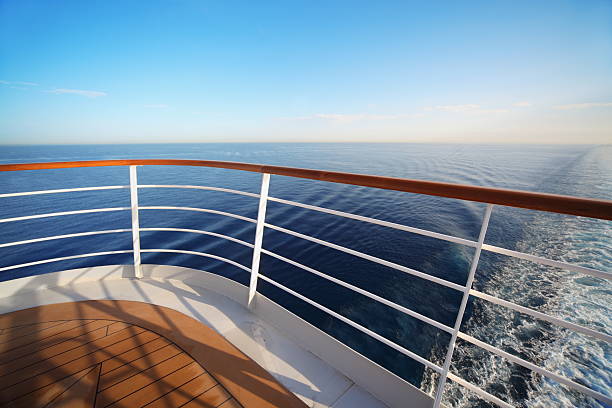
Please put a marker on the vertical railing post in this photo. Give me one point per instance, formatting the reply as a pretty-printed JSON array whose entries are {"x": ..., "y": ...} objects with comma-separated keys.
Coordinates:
[
  {"x": 135, "y": 222},
  {"x": 261, "y": 219},
  {"x": 464, "y": 300}
]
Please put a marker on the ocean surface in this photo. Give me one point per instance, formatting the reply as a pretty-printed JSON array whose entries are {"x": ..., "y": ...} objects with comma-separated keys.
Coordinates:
[{"x": 583, "y": 170}]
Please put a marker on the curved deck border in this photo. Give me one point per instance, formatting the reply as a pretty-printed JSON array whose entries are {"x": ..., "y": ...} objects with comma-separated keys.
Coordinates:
[{"x": 248, "y": 382}]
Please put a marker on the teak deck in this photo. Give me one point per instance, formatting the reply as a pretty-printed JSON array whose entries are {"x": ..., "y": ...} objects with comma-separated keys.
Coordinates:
[{"x": 125, "y": 354}]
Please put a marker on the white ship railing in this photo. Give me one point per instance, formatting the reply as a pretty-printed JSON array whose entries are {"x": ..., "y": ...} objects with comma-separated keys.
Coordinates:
[{"x": 569, "y": 205}]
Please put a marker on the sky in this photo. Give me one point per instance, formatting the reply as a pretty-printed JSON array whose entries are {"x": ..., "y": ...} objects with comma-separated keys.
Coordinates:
[{"x": 161, "y": 71}]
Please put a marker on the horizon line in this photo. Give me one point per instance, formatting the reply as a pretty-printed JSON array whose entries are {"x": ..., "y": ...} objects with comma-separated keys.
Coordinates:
[{"x": 313, "y": 142}]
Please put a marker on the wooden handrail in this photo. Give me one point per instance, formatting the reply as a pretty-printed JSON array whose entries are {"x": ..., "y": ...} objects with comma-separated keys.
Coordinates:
[{"x": 586, "y": 207}]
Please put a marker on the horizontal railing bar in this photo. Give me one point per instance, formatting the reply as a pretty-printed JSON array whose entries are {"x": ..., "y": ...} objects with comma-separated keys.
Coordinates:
[
  {"x": 225, "y": 190},
  {"x": 565, "y": 381},
  {"x": 375, "y": 259},
  {"x": 227, "y": 214},
  {"x": 182, "y": 251},
  {"x": 65, "y": 258},
  {"x": 543, "y": 316},
  {"x": 214, "y": 234},
  {"x": 586, "y": 207},
  {"x": 79, "y": 234},
  {"x": 549, "y": 262},
  {"x": 363, "y": 292},
  {"x": 63, "y": 190},
  {"x": 479, "y": 391},
  {"x": 57, "y": 214},
  {"x": 379, "y": 222},
  {"x": 357, "y": 326}
]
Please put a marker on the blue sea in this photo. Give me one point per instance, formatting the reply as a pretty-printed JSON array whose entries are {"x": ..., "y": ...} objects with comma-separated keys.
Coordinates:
[{"x": 579, "y": 170}]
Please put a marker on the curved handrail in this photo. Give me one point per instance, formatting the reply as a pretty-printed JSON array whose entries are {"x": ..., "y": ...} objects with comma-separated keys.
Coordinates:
[
  {"x": 65, "y": 258},
  {"x": 204, "y": 254},
  {"x": 59, "y": 214},
  {"x": 586, "y": 207},
  {"x": 204, "y": 210}
]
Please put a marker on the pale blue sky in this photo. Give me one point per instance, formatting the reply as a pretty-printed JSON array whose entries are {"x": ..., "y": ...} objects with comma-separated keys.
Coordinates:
[{"x": 198, "y": 71}]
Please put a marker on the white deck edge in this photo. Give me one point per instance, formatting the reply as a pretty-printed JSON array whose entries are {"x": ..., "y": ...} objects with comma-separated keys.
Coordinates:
[{"x": 378, "y": 381}]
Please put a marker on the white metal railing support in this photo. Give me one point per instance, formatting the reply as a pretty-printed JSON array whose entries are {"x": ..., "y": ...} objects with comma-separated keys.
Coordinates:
[
  {"x": 261, "y": 219},
  {"x": 464, "y": 300},
  {"x": 135, "y": 222}
]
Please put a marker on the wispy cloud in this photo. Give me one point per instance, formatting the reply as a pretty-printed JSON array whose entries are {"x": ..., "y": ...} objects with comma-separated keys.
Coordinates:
[
  {"x": 584, "y": 105},
  {"x": 465, "y": 108},
  {"x": 454, "y": 108},
  {"x": 18, "y": 83},
  {"x": 359, "y": 116},
  {"x": 157, "y": 106},
  {"x": 491, "y": 111},
  {"x": 353, "y": 117},
  {"x": 522, "y": 104},
  {"x": 81, "y": 92}
]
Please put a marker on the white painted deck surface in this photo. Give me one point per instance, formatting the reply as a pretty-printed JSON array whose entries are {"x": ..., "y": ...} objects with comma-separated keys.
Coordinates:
[{"x": 317, "y": 383}]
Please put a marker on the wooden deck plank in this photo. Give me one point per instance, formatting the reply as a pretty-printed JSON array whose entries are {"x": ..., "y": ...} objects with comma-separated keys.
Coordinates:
[
  {"x": 161, "y": 387},
  {"x": 143, "y": 363},
  {"x": 131, "y": 355},
  {"x": 43, "y": 396},
  {"x": 50, "y": 340},
  {"x": 18, "y": 325},
  {"x": 68, "y": 356},
  {"x": 230, "y": 403},
  {"x": 29, "y": 355},
  {"x": 82, "y": 394},
  {"x": 142, "y": 379},
  {"x": 10, "y": 333},
  {"x": 130, "y": 358},
  {"x": 49, "y": 371},
  {"x": 117, "y": 326},
  {"x": 213, "y": 397},
  {"x": 185, "y": 392},
  {"x": 36, "y": 357},
  {"x": 39, "y": 335}
]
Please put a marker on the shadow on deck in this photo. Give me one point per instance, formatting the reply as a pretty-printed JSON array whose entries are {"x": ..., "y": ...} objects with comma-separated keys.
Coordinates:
[{"x": 109, "y": 353}]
